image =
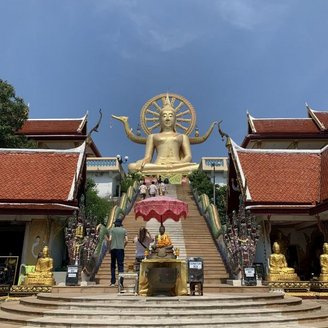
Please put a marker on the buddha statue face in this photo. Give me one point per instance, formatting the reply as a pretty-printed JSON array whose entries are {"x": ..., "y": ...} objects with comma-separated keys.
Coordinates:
[
  {"x": 45, "y": 251},
  {"x": 161, "y": 230},
  {"x": 167, "y": 117},
  {"x": 276, "y": 248},
  {"x": 325, "y": 248}
]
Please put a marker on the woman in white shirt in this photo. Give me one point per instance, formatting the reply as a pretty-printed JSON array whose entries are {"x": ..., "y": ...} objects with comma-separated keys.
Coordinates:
[{"x": 142, "y": 241}]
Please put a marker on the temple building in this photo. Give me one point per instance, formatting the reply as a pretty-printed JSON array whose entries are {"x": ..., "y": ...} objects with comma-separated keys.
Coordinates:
[
  {"x": 66, "y": 133},
  {"x": 281, "y": 171},
  {"x": 60, "y": 134},
  {"x": 40, "y": 190}
]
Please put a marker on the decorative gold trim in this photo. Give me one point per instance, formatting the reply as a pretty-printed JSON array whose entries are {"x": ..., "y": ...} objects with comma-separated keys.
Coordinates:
[
  {"x": 21, "y": 289},
  {"x": 290, "y": 285}
]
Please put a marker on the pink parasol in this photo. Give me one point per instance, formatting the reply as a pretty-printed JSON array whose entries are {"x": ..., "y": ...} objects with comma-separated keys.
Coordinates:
[{"x": 161, "y": 208}]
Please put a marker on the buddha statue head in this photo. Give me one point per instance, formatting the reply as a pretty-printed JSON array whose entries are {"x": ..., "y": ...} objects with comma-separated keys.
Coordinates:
[
  {"x": 325, "y": 248},
  {"x": 45, "y": 251},
  {"x": 161, "y": 230},
  {"x": 167, "y": 116},
  {"x": 276, "y": 248}
]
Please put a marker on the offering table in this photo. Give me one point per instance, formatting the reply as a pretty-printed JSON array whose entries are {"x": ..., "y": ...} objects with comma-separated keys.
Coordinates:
[{"x": 163, "y": 277}]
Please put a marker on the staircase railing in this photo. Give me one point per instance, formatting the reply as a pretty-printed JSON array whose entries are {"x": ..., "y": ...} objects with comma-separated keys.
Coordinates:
[
  {"x": 211, "y": 215},
  {"x": 117, "y": 212}
]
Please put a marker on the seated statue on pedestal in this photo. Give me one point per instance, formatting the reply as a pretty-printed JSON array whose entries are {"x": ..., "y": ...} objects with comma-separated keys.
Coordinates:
[
  {"x": 163, "y": 246},
  {"x": 173, "y": 149},
  {"x": 324, "y": 263},
  {"x": 42, "y": 275},
  {"x": 278, "y": 269}
]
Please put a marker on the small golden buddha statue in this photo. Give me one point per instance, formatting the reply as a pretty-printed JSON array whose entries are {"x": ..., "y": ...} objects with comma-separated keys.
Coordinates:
[
  {"x": 162, "y": 239},
  {"x": 173, "y": 149},
  {"x": 163, "y": 246},
  {"x": 278, "y": 269},
  {"x": 43, "y": 271},
  {"x": 324, "y": 263}
]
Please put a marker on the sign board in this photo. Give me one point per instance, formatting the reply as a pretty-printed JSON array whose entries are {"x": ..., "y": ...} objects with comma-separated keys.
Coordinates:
[
  {"x": 72, "y": 276},
  {"x": 195, "y": 265},
  {"x": 250, "y": 276},
  {"x": 195, "y": 269}
]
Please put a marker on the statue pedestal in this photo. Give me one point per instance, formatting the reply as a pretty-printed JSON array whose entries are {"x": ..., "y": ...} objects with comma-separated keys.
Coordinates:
[
  {"x": 290, "y": 285},
  {"x": 39, "y": 281},
  {"x": 282, "y": 277}
]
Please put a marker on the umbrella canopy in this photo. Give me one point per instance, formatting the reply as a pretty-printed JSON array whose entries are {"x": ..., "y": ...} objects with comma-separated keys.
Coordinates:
[{"x": 161, "y": 208}]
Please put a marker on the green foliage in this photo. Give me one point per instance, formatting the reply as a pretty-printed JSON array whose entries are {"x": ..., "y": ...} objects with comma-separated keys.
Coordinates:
[
  {"x": 96, "y": 207},
  {"x": 128, "y": 181},
  {"x": 13, "y": 114},
  {"x": 202, "y": 184}
]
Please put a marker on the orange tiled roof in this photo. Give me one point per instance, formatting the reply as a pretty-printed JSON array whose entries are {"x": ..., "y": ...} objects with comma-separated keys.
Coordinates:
[
  {"x": 283, "y": 176},
  {"x": 39, "y": 175},
  {"x": 53, "y": 126},
  {"x": 305, "y": 125},
  {"x": 324, "y": 175}
]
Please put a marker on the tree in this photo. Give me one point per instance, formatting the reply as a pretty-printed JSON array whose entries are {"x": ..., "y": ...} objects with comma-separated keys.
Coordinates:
[
  {"x": 129, "y": 179},
  {"x": 202, "y": 184},
  {"x": 96, "y": 207},
  {"x": 13, "y": 114}
]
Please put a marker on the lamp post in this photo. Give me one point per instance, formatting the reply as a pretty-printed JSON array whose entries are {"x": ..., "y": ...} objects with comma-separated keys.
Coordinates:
[
  {"x": 213, "y": 165},
  {"x": 120, "y": 161}
]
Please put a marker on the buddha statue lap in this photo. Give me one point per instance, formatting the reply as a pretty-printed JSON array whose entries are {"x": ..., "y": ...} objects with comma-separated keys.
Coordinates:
[
  {"x": 324, "y": 263},
  {"x": 42, "y": 275},
  {"x": 278, "y": 269},
  {"x": 173, "y": 149}
]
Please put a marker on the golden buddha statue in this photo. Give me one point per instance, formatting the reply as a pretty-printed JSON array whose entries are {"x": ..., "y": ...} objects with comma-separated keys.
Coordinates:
[
  {"x": 278, "y": 269},
  {"x": 324, "y": 263},
  {"x": 173, "y": 149},
  {"x": 163, "y": 246},
  {"x": 43, "y": 271},
  {"x": 162, "y": 239}
]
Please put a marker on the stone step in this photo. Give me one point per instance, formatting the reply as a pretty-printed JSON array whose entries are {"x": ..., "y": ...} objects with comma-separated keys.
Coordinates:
[
  {"x": 102, "y": 310},
  {"x": 116, "y": 313}
]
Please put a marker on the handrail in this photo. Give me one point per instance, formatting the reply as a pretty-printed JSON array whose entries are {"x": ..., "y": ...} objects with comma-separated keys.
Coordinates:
[{"x": 212, "y": 219}]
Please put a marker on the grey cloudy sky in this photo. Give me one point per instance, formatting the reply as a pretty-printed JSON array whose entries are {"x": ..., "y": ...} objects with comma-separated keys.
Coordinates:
[{"x": 225, "y": 56}]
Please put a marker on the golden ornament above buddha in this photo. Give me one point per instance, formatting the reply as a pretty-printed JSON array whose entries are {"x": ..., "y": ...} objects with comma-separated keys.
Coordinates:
[
  {"x": 172, "y": 148},
  {"x": 42, "y": 275},
  {"x": 278, "y": 269}
]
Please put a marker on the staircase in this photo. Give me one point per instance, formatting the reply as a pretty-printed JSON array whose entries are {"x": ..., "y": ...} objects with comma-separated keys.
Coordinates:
[
  {"x": 199, "y": 241},
  {"x": 191, "y": 236},
  {"x": 108, "y": 310}
]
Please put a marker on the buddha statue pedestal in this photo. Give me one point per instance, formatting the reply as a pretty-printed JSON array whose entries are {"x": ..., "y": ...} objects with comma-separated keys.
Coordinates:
[
  {"x": 282, "y": 277},
  {"x": 163, "y": 252},
  {"x": 35, "y": 279}
]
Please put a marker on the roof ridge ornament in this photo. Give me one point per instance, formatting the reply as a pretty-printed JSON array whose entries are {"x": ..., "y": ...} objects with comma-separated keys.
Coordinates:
[
  {"x": 224, "y": 135},
  {"x": 95, "y": 128}
]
